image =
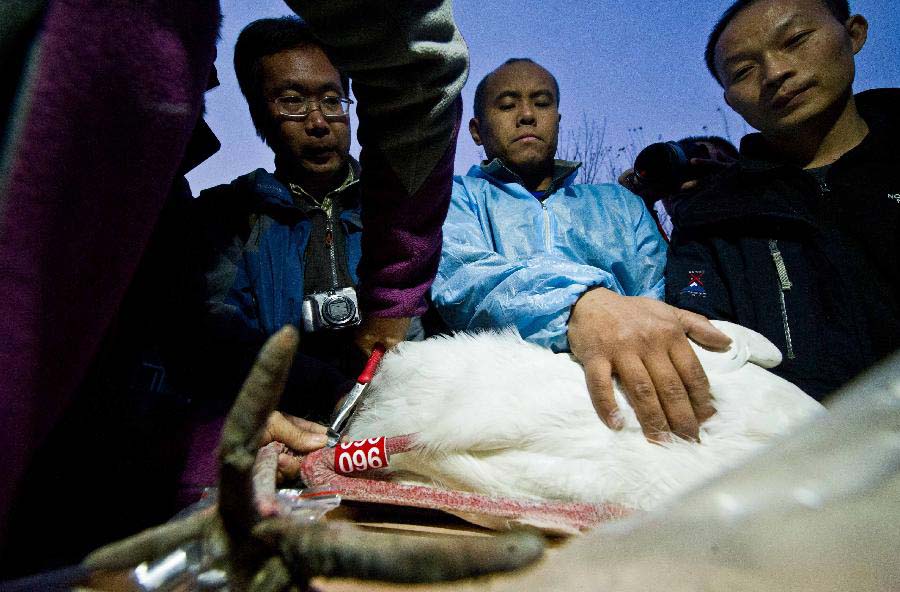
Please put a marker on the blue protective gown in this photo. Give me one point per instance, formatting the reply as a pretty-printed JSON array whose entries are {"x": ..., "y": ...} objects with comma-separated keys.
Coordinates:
[{"x": 509, "y": 259}]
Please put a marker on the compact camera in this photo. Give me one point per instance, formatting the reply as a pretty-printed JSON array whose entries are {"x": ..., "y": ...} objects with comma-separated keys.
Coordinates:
[{"x": 334, "y": 309}]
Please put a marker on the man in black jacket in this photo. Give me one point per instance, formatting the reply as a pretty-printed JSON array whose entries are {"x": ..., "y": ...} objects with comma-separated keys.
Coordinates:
[{"x": 798, "y": 240}]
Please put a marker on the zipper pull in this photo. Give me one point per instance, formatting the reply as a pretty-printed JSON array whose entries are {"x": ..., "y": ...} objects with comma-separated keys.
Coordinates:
[
  {"x": 329, "y": 234},
  {"x": 821, "y": 181},
  {"x": 785, "y": 282},
  {"x": 780, "y": 267}
]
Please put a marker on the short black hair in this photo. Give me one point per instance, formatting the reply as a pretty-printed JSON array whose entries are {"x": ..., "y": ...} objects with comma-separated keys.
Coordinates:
[
  {"x": 718, "y": 141},
  {"x": 479, "y": 90},
  {"x": 265, "y": 37},
  {"x": 839, "y": 8}
]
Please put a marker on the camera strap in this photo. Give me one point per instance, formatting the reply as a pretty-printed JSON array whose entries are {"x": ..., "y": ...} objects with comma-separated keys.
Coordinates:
[{"x": 325, "y": 264}]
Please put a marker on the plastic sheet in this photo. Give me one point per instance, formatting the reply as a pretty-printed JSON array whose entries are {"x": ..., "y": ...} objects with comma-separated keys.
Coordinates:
[{"x": 194, "y": 566}]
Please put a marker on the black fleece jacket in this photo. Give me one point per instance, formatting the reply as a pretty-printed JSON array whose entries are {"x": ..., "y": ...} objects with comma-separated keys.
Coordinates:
[{"x": 810, "y": 264}]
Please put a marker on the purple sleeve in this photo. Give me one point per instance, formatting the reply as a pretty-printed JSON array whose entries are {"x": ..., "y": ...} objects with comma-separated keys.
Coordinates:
[
  {"x": 408, "y": 63},
  {"x": 106, "y": 108},
  {"x": 402, "y": 233}
]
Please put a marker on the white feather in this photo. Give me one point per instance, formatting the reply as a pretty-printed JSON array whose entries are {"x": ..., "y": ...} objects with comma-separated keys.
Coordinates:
[{"x": 501, "y": 416}]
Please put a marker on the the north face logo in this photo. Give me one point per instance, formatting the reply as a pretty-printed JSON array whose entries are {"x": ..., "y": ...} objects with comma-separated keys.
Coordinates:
[
  {"x": 895, "y": 197},
  {"x": 695, "y": 287}
]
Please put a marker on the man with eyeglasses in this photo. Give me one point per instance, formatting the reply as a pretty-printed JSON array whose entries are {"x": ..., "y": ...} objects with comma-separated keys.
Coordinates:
[
  {"x": 283, "y": 248},
  {"x": 573, "y": 267},
  {"x": 271, "y": 249}
]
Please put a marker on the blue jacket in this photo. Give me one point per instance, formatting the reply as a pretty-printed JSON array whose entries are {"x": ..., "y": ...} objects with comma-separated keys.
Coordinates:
[
  {"x": 510, "y": 259},
  {"x": 259, "y": 237},
  {"x": 245, "y": 274}
]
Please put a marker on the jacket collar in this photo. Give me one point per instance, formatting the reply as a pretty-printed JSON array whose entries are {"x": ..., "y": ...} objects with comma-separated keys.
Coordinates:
[
  {"x": 273, "y": 192},
  {"x": 351, "y": 179},
  {"x": 497, "y": 172},
  {"x": 877, "y": 107},
  {"x": 738, "y": 196}
]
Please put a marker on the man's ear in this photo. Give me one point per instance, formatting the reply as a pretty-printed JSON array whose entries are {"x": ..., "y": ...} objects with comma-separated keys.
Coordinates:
[
  {"x": 858, "y": 28},
  {"x": 473, "y": 130}
]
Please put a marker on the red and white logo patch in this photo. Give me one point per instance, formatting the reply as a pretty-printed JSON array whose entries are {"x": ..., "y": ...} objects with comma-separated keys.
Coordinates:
[{"x": 695, "y": 285}]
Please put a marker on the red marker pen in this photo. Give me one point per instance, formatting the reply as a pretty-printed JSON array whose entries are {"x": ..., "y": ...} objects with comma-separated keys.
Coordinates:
[{"x": 354, "y": 396}]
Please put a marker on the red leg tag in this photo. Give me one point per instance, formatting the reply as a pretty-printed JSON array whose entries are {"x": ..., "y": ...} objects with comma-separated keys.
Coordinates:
[{"x": 361, "y": 455}]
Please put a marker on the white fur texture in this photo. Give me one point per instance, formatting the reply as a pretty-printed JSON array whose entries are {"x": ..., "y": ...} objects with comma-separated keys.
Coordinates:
[{"x": 504, "y": 417}]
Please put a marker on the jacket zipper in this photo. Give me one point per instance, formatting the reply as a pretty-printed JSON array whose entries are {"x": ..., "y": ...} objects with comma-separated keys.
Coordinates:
[
  {"x": 547, "y": 242},
  {"x": 785, "y": 285},
  {"x": 821, "y": 184},
  {"x": 329, "y": 241}
]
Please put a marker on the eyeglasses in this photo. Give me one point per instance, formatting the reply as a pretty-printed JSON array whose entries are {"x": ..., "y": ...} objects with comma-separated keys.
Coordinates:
[{"x": 297, "y": 107}]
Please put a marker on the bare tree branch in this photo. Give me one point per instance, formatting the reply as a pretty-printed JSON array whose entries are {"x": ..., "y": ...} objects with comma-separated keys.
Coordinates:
[{"x": 600, "y": 162}]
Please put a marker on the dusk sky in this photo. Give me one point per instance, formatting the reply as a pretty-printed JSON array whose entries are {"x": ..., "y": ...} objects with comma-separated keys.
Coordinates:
[{"x": 634, "y": 64}]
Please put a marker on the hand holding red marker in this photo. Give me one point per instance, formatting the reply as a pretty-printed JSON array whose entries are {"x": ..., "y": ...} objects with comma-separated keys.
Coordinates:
[{"x": 339, "y": 420}]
